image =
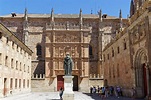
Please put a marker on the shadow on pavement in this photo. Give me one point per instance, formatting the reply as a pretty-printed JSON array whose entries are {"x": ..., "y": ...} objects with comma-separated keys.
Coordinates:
[{"x": 93, "y": 96}]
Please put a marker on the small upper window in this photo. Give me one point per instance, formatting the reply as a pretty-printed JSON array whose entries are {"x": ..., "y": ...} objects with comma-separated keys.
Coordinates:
[
  {"x": 125, "y": 47},
  {"x": 39, "y": 52},
  {"x": 7, "y": 40},
  {"x": 118, "y": 49},
  {"x": 0, "y": 35},
  {"x": 112, "y": 52},
  {"x": 90, "y": 50}
]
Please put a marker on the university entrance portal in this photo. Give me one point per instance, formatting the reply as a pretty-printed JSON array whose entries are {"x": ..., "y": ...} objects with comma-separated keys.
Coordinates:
[{"x": 60, "y": 82}]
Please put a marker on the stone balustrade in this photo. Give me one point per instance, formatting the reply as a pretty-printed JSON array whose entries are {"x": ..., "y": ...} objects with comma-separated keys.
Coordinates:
[
  {"x": 95, "y": 76},
  {"x": 38, "y": 76},
  {"x": 65, "y": 27}
]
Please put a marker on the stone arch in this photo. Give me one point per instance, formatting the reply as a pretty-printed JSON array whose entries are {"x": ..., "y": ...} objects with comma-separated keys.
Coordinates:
[{"x": 140, "y": 61}]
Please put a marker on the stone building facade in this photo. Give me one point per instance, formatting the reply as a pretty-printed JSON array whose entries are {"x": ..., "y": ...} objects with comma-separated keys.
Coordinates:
[
  {"x": 50, "y": 36},
  {"x": 127, "y": 59},
  {"x": 15, "y": 64}
]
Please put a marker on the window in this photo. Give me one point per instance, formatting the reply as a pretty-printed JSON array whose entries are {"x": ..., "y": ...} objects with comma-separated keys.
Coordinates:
[
  {"x": 28, "y": 83},
  {"x": 90, "y": 50},
  {"x": 11, "y": 83},
  {"x": 0, "y": 35},
  {"x": 124, "y": 44},
  {"x": 6, "y": 61},
  {"x": 16, "y": 83},
  {"x": 108, "y": 57},
  {"x": 17, "y": 65},
  {"x": 118, "y": 49},
  {"x": 39, "y": 52},
  {"x": 13, "y": 44},
  {"x": 17, "y": 48},
  {"x": 24, "y": 83},
  {"x": 19, "y": 83},
  {"x": 7, "y": 40},
  {"x": 12, "y": 61},
  {"x": 112, "y": 52}
]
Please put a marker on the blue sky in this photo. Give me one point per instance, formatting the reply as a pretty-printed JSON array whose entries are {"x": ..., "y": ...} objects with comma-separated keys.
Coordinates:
[{"x": 110, "y": 7}]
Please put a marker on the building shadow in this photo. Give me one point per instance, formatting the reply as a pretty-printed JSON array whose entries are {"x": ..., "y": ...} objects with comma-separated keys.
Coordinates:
[{"x": 94, "y": 96}]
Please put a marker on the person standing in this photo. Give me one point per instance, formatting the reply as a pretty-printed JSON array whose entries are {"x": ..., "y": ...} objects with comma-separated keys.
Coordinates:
[{"x": 61, "y": 93}]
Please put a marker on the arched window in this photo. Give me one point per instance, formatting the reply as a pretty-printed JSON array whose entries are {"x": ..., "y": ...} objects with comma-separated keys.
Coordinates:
[
  {"x": 39, "y": 52},
  {"x": 90, "y": 50}
]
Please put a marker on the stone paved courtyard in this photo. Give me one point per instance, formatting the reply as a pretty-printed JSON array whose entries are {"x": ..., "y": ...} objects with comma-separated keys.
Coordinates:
[{"x": 55, "y": 96}]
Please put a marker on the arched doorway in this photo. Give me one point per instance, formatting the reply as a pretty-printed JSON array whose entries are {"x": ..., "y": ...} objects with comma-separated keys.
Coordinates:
[{"x": 140, "y": 73}]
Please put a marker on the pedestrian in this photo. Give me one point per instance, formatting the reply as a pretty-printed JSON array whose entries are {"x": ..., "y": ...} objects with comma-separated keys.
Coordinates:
[
  {"x": 61, "y": 93},
  {"x": 91, "y": 89},
  {"x": 133, "y": 93}
]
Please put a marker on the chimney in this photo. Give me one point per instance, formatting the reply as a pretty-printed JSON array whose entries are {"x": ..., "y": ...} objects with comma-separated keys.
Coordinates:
[
  {"x": 13, "y": 14},
  {"x": 104, "y": 15}
]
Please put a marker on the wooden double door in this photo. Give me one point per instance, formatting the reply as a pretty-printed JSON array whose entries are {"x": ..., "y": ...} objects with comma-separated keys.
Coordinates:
[{"x": 60, "y": 82}]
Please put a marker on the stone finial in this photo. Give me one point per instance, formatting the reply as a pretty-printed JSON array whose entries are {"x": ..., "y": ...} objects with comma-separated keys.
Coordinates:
[
  {"x": 52, "y": 15},
  {"x": 100, "y": 15},
  {"x": 80, "y": 16},
  {"x": 120, "y": 14},
  {"x": 80, "y": 12},
  {"x": 132, "y": 10}
]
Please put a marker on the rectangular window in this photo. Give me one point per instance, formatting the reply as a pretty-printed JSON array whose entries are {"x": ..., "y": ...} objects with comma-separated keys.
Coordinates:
[
  {"x": 16, "y": 65},
  {"x": 28, "y": 83},
  {"x": 6, "y": 61},
  {"x": 15, "y": 83},
  {"x": 118, "y": 49},
  {"x": 13, "y": 44},
  {"x": 19, "y": 83},
  {"x": 7, "y": 40},
  {"x": 12, "y": 61},
  {"x": 108, "y": 56},
  {"x": 11, "y": 83},
  {"x": 24, "y": 83},
  {"x": 125, "y": 47}
]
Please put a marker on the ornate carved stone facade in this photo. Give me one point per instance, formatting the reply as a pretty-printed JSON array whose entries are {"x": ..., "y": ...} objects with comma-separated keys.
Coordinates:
[{"x": 83, "y": 36}]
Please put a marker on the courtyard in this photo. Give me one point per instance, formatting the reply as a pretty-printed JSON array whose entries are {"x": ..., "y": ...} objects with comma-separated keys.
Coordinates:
[{"x": 55, "y": 96}]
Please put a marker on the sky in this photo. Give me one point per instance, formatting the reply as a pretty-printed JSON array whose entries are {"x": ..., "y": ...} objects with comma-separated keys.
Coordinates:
[{"x": 110, "y": 7}]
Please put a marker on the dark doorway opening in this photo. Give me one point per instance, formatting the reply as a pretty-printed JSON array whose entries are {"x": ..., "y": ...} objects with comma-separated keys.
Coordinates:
[
  {"x": 60, "y": 82},
  {"x": 75, "y": 83}
]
